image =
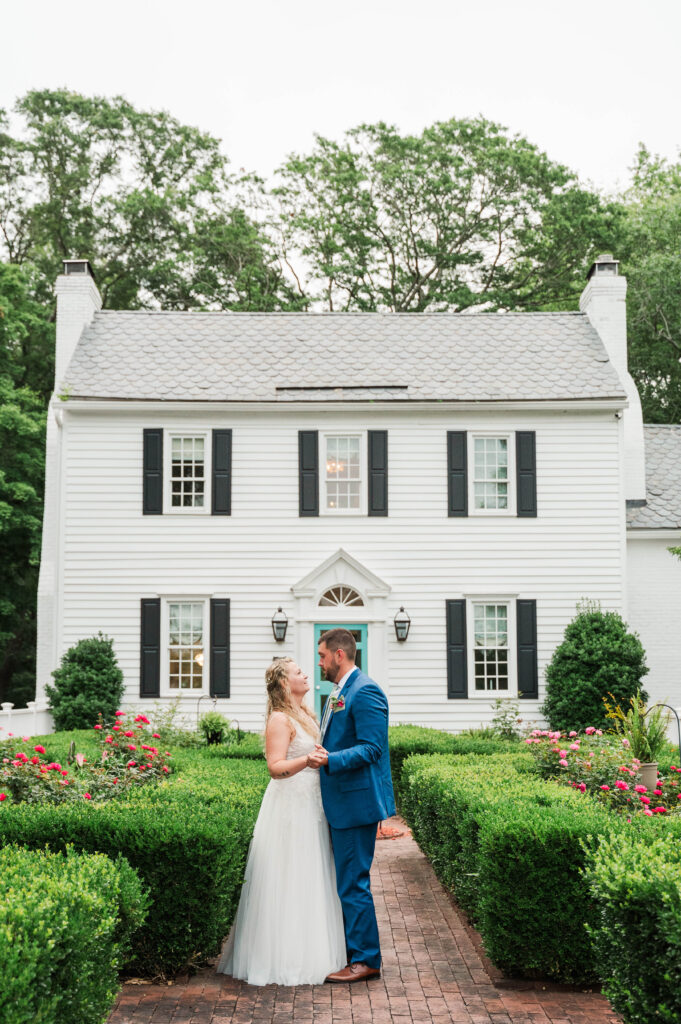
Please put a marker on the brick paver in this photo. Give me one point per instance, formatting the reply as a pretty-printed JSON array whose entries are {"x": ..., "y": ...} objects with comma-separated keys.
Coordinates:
[{"x": 432, "y": 974}]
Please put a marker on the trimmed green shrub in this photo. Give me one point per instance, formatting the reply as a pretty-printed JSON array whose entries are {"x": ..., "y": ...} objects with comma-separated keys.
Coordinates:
[
  {"x": 87, "y": 683},
  {"x": 406, "y": 740},
  {"x": 249, "y": 747},
  {"x": 65, "y": 926},
  {"x": 510, "y": 847},
  {"x": 598, "y": 657},
  {"x": 187, "y": 838},
  {"x": 636, "y": 883}
]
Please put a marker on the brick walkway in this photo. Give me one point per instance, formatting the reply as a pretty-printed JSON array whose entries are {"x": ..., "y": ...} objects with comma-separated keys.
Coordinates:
[{"x": 432, "y": 974}]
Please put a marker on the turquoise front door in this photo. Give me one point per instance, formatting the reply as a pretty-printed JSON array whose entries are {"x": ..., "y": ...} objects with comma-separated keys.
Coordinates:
[{"x": 322, "y": 688}]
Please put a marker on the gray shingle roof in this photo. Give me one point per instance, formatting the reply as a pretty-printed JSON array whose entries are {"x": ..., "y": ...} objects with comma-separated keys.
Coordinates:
[
  {"x": 287, "y": 357},
  {"x": 663, "y": 480}
]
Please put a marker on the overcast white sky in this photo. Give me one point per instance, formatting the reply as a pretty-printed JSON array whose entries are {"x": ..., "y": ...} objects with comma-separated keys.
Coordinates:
[{"x": 584, "y": 81}]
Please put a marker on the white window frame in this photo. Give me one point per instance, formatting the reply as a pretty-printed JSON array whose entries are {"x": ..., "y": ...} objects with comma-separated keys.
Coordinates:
[
  {"x": 165, "y": 688},
  {"x": 510, "y": 602},
  {"x": 363, "y": 482},
  {"x": 194, "y": 510},
  {"x": 501, "y": 435}
]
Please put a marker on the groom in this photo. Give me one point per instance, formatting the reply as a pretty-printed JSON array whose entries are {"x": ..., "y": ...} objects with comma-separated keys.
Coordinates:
[{"x": 357, "y": 793}]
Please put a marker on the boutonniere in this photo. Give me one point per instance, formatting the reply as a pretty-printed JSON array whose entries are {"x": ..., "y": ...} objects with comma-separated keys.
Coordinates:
[{"x": 337, "y": 704}]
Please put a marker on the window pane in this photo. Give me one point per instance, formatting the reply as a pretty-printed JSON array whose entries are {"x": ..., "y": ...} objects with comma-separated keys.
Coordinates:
[{"x": 187, "y": 472}]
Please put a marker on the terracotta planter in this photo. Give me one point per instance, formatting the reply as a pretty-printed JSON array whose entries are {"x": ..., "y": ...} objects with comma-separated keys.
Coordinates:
[{"x": 648, "y": 774}]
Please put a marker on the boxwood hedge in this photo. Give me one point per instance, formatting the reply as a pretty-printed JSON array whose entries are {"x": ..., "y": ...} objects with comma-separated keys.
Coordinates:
[
  {"x": 512, "y": 849},
  {"x": 187, "y": 839},
  {"x": 636, "y": 883},
  {"x": 66, "y": 922}
]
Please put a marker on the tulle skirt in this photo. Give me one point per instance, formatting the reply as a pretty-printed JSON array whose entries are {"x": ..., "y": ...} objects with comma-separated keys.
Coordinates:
[{"x": 289, "y": 926}]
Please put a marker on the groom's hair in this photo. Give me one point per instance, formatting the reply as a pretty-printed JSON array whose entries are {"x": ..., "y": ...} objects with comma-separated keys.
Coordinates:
[{"x": 342, "y": 639}]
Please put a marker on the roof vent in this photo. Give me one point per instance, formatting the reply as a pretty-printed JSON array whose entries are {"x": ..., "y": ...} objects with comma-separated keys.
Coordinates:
[
  {"x": 604, "y": 266},
  {"x": 78, "y": 267}
]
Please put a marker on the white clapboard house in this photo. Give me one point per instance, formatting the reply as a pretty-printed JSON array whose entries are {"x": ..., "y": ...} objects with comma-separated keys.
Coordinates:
[{"x": 482, "y": 472}]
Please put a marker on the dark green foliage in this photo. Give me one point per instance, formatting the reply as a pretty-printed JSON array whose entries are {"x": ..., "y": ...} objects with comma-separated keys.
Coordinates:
[
  {"x": 511, "y": 848},
  {"x": 392, "y": 221},
  {"x": 65, "y": 927},
  {"x": 22, "y": 453},
  {"x": 598, "y": 657},
  {"x": 636, "y": 882},
  {"x": 88, "y": 683},
  {"x": 650, "y": 250},
  {"x": 406, "y": 740},
  {"x": 186, "y": 838}
]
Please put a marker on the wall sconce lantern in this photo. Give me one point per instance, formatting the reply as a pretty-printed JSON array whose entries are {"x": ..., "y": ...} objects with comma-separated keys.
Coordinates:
[
  {"x": 279, "y": 624},
  {"x": 402, "y": 624}
]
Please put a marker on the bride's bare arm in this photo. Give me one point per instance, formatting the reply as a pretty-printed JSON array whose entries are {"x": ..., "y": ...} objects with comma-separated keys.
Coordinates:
[{"x": 278, "y": 736}]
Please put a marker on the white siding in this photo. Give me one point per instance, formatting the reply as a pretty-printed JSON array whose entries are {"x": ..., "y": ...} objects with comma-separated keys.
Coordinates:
[
  {"x": 113, "y": 555},
  {"x": 654, "y": 611}
]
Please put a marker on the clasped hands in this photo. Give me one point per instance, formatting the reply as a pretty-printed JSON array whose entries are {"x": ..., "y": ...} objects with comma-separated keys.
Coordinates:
[{"x": 317, "y": 757}]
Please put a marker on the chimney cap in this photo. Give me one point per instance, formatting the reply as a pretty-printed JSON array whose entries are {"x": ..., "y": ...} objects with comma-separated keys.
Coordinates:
[
  {"x": 604, "y": 265},
  {"x": 78, "y": 267}
]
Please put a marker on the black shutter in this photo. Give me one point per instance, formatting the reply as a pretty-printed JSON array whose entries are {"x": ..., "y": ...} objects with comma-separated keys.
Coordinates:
[
  {"x": 221, "y": 502},
  {"x": 150, "y": 647},
  {"x": 526, "y": 472},
  {"x": 152, "y": 488},
  {"x": 219, "y": 647},
  {"x": 308, "y": 470},
  {"x": 526, "y": 614},
  {"x": 457, "y": 473},
  {"x": 457, "y": 661},
  {"x": 378, "y": 472}
]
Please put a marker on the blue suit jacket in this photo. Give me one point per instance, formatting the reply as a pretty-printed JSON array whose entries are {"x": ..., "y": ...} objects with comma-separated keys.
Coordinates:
[{"x": 357, "y": 786}]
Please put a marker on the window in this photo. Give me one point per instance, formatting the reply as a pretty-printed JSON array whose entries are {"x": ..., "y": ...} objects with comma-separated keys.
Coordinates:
[
  {"x": 188, "y": 472},
  {"x": 340, "y": 595},
  {"x": 343, "y": 472},
  {"x": 490, "y": 473},
  {"x": 491, "y": 479},
  {"x": 490, "y": 647},
  {"x": 185, "y": 648}
]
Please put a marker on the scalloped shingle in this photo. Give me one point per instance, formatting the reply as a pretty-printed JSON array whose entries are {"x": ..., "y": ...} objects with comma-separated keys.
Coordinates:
[{"x": 286, "y": 357}]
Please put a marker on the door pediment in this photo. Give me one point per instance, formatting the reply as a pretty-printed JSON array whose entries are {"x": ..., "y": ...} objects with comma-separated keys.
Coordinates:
[{"x": 341, "y": 568}]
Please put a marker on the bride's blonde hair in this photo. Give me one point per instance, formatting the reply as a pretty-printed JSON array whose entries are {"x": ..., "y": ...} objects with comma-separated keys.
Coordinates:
[{"x": 279, "y": 697}]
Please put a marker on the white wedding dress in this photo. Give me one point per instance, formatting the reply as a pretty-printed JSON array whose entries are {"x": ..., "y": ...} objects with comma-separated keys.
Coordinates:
[{"x": 289, "y": 925}]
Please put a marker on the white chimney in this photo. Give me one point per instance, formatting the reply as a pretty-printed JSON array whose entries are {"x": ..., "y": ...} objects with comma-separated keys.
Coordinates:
[
  {"x": 78, "y": 300},
  {"x": 604, "y": 302}
]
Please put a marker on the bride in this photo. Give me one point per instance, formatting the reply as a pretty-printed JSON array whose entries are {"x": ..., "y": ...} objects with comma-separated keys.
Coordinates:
[{"x": 289, "y": 925}]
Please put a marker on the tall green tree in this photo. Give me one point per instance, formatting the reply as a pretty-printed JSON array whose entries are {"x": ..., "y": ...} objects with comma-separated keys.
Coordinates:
[
  {"x": 152, "y": 204},
  {"x": 461, "y": 215},
  {"x": 651, "y": 258}
]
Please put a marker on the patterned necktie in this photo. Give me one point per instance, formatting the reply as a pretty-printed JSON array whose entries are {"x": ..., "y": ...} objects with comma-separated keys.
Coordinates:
[{"x": 327, "y": 710}]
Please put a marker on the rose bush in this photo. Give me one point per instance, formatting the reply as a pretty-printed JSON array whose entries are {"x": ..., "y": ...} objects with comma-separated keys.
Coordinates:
[
  {"x": 601, "y": 766},
  {"x": 125, "y": 761}
]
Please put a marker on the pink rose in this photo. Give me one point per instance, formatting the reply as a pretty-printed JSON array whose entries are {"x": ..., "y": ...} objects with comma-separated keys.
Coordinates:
[
  {"x": 590, "y": 730},
  {"x": 39, "y": 749},
  {"x": 659, "y": 810},
  {"x": 621, "y": 785},
  {"x": 581, "y": 787},
  {"x": 87, "y": 796},
  {"x": 117, "y": 713},
  {"x": 606, "y": 788},
  {"x": 155, "y": 735},
  {"x": 573, "y": 733},
  {"x": 644, "y": 799},
  {"x": 574, "y": 746},
  {"x": 97, "y": 727},
  {"x": 640, "y": 789},
  {"x": 563, "y": 762},
  {"x": 3, "y": 796},
  {"x": 128, "y": 733}
]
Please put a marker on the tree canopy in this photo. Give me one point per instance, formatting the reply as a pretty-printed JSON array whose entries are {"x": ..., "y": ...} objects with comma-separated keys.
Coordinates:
[
  {"x": 461, "y": 215},
  {"x": 650, "y": 250}
]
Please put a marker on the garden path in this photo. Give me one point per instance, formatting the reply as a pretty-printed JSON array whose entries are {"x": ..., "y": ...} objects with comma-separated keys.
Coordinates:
[{"x": 432, "y": 973}]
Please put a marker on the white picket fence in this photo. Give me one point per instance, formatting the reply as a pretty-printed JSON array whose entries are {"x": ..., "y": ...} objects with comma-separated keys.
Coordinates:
[{"x": 33, "y": 720}]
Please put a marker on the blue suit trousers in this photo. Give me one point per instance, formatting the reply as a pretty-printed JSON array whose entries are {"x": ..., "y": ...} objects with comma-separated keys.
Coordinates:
[{"x": 353, "y": 852}]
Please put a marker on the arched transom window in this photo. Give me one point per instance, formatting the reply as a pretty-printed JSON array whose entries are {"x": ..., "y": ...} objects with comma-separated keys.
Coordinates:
[{"x": 340, "y": 595}]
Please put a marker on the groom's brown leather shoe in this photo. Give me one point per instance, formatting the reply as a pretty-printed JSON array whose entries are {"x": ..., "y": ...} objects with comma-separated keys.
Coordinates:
[{"x": 355, "y": 972}]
